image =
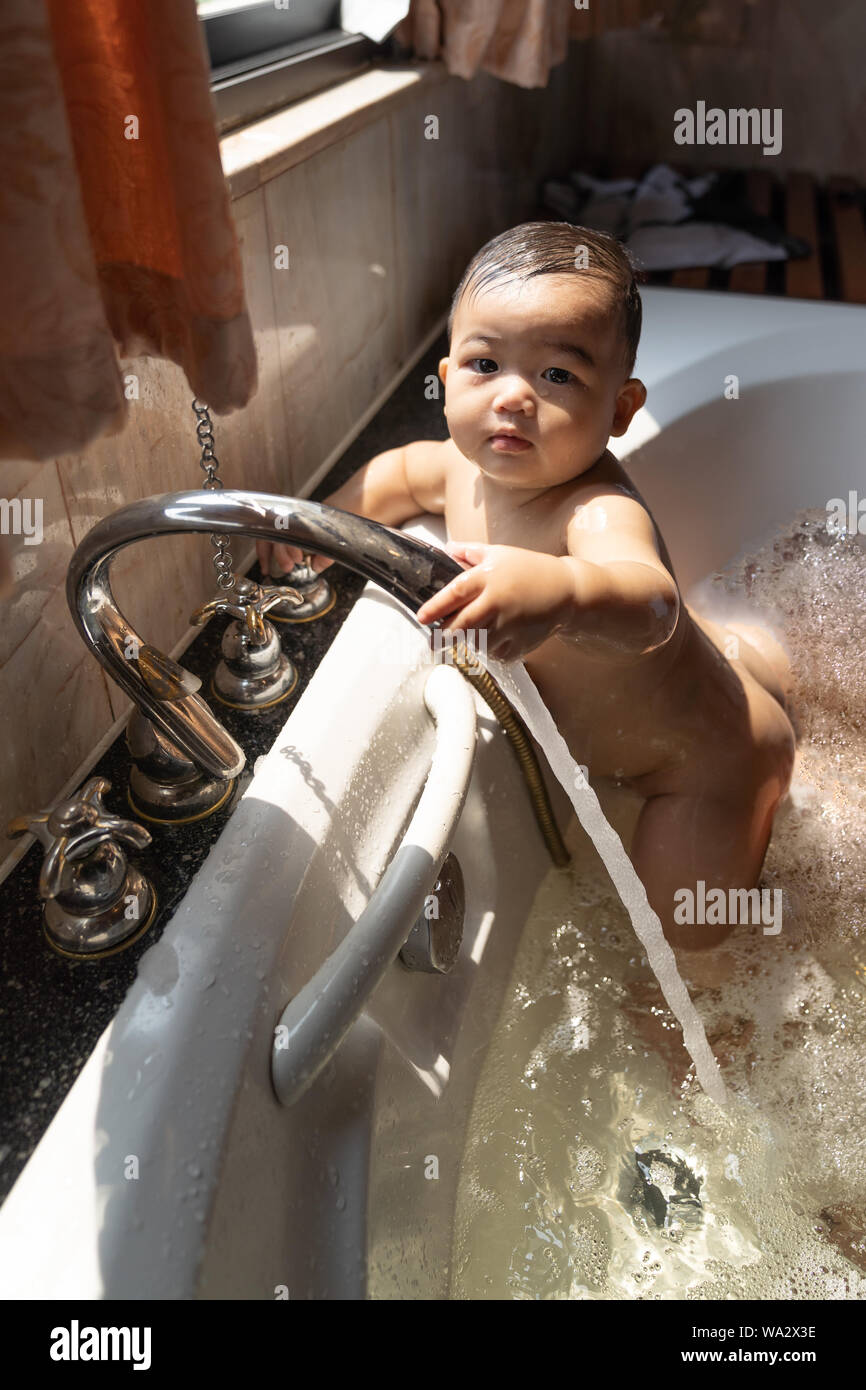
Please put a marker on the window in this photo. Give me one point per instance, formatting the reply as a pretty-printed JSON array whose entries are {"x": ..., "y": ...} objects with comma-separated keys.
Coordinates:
[{"x": 267, "y": 53}]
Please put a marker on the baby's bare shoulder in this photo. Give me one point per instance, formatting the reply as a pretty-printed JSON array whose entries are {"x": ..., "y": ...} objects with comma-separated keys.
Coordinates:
[
  {"x": 607, "y": 478},
  {"x": 605, "y": 501},
  {"x": 605, "y": 519},
  {"x": 428, "y": 463}
]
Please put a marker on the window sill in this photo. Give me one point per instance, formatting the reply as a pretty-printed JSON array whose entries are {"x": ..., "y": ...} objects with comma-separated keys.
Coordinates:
[{"x": 266, "y": 148}]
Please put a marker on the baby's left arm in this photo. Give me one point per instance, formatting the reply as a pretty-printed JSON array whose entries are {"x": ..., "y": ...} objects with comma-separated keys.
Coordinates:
[
  {"x": 611, "y": 593},
  {"x": 625, "y": 600}
]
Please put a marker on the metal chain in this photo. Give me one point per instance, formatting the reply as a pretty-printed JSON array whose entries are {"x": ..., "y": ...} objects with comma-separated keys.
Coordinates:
[{"x": 209, "y": 464}]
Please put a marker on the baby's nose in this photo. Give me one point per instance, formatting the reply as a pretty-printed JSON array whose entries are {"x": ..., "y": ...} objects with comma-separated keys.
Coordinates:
[{"x": 514, "y": 395}]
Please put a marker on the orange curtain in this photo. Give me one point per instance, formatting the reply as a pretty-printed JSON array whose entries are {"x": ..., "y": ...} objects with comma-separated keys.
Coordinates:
[
  {"x": 517, "y": 40},
  {"x": 115, "y": 224}
]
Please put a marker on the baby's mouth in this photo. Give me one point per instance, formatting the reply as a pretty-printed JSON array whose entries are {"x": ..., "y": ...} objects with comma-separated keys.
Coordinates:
[{"x": 506, "y": 443}]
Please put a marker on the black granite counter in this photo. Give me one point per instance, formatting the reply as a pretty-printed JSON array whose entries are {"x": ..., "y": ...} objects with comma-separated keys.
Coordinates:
[{"x": 53, "y": 1010}]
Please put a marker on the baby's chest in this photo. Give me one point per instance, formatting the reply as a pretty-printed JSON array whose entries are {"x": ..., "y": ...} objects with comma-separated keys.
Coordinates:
[{"x": 524, "y": 527}]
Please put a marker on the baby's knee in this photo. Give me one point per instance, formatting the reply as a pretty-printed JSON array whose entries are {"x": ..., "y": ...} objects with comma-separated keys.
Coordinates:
[
  {"x": 695, "y": 939},
  {"x": 776, "y": 757}
]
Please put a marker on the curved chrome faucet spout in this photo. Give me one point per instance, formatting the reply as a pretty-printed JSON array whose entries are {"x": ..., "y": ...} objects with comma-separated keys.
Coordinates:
[{"x": 409, "y": 569}]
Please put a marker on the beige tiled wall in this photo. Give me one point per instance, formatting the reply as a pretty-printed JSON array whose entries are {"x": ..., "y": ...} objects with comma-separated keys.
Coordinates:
[{"x": 379, "y": 227}]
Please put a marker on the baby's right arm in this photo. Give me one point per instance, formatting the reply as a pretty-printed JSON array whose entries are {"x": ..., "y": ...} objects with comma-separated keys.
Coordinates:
[{"x": 391, "y": 488}]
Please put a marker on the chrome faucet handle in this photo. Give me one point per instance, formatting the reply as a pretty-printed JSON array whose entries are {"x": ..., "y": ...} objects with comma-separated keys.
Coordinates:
[
  {"x": 248, "y": 602},
  {"x": 95, "y": 901},
  {"x": 254, "y": 672},
  {"x": 73, "y": 829},
  {"x": 315, "y": 595},
  {"x": 301, "y": 573},
  {"x": 304, "y": 572}
]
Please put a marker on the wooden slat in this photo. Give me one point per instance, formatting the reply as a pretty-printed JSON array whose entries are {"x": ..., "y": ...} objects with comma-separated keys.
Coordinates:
[
  {"x": 691, "y": 278},
  {"x": 751, "y": 277},
  {"x": 803, "y": 278},
  {"x": 850, "y": 241}
]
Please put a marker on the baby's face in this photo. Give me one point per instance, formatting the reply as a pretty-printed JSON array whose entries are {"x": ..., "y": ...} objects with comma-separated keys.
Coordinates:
[{"x": 542, "y": 358}]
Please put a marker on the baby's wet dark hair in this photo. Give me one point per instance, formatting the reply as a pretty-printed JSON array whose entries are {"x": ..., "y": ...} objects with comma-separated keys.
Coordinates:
[{"x": 559, "y": 248}]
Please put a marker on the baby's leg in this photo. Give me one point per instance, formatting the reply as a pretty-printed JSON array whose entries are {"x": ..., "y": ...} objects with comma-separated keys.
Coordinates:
[
  {"x": 683, "y": 839},
  {"x": 757, "y": 649},
  {"x": 744, "y": 633},
  {"x": 710, "y": 827},
  {"x": 678, "y": 840}
]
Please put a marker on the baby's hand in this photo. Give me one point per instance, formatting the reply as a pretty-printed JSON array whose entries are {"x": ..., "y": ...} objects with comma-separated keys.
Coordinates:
[{"x": 518, "y": 597}]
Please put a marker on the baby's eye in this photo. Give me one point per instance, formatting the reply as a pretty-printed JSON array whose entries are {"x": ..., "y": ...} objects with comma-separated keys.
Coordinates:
[
  {"x": 564, "y": 376},
  {"x": 488, "y": 365}
]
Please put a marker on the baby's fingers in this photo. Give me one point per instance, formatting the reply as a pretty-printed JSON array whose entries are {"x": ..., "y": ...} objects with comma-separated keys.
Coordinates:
[
  {"x": 263, "y": 555},
  {"x": 285, "y": 557},
  {"x": 466, "y": 552},
  {"x": 452, "y": 596},
  {"x": 475, "y": 627}
]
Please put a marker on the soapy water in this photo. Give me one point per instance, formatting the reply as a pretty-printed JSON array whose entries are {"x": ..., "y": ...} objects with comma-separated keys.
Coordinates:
[{"x": 596, "y": 1167}]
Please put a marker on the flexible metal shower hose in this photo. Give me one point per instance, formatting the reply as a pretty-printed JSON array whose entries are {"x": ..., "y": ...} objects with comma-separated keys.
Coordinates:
[{"x": 478, "y": 676}]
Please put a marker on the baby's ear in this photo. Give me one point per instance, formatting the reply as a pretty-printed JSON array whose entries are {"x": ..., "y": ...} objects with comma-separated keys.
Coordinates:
[
  {"x": 630, "y": 397},
  {"x": 444, "y": 364}
]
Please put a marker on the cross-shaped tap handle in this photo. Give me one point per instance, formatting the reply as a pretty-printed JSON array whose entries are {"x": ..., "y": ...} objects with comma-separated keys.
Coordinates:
[
  {"x": 73, "y": 829},
  {"x": 248, "y": 602}
]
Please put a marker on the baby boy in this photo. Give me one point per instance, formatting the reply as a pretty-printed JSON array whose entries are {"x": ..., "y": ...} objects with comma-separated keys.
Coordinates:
[{"x": 566, "y": 570}]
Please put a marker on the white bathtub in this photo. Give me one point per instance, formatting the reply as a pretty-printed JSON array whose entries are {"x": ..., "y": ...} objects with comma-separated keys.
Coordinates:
[
  {"x": 720, "y": 474},
  {"x": 171, "y": 1170}
]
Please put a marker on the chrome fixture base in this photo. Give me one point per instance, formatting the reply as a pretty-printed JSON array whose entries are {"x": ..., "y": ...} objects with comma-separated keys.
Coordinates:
[
  {"x": 165, "y": 786},
  {"x": 433, "y": 944},
  {"x": 95, "y": 902},
  {"x": 102, "y": 933},
  {"x": 254, "y": 673},
  {"x": 254, "y": 692}
]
